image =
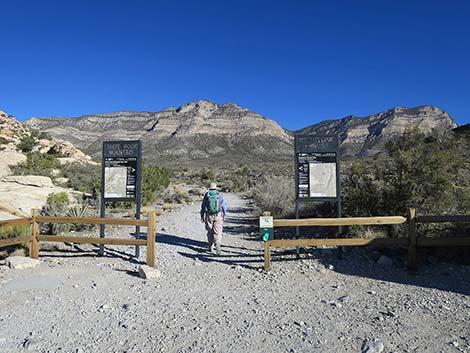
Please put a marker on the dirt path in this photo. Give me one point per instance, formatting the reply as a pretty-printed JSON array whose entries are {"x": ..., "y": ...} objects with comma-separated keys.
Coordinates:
[{"x": 77, "y": 302}]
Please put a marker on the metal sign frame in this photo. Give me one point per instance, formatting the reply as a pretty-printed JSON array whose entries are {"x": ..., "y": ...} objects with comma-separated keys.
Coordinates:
[
  {"x": 122, "y": 152},
  {"x": 317, "y": 144}
]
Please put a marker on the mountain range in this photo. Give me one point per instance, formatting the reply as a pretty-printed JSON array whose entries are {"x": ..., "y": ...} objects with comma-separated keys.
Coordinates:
[{"x": 203, "y": 132}]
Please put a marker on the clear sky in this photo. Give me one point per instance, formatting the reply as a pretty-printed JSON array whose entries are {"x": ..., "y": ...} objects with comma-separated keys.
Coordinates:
[{"x": 297, "y": 62}]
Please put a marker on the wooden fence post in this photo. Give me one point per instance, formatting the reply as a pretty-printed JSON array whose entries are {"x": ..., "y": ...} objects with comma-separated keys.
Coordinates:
[
  {"x": 267, "y": 256},
  {"x": 151, "y": 235},
  {"x": 412, "y": 239},
  {"x": 34, "y": 244}
]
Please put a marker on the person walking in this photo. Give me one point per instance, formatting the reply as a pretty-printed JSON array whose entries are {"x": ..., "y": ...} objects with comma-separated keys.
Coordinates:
[{"x": 213, "y": 211}]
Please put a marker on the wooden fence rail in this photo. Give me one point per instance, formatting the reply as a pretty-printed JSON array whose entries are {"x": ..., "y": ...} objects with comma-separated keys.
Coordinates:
[
  {"x": 412, "y": 241},
  {"x": 34, "y": 239}
]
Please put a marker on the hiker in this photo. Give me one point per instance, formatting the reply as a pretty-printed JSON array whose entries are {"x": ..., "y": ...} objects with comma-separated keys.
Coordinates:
[{"x": 213, "y": 210}]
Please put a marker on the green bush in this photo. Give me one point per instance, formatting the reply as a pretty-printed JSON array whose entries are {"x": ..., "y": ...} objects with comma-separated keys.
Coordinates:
[
  {"x": 36, "y": 164},
  {"x": 14, "y": 231},
  {"x": 82, "y": 176},
  {"x": 39, "y": 135},
  {"x": 27, "y": 143},
  {"x": 154, "y": 181}
]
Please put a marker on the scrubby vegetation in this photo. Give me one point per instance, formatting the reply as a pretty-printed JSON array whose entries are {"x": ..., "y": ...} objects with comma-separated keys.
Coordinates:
[
  {"x": 82, "y": 176},
  {"x": 28, "y": 142},
  {"x": 37, "y": 164},
  {"x": 59, "y": 205},
  {"x": 429, "y": 173},
  {"x": 154, "y": 181},
  {"x": 14, "y": 231},
  {"x": 276, "y": 195}
]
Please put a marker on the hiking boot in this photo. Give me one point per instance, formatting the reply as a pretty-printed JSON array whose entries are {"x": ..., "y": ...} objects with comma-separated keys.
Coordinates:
[{"x": 217, "y": 249}]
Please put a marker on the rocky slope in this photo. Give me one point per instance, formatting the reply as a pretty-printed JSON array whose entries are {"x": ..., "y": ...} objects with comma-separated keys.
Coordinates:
[{"x": 203, "y": 131}]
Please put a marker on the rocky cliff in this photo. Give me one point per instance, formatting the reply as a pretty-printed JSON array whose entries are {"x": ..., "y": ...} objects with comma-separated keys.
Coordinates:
[{"x": 204, "y": 132}]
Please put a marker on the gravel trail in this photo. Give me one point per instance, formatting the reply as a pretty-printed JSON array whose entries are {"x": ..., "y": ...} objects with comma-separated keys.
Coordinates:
[{"x": 79, "y": 302}]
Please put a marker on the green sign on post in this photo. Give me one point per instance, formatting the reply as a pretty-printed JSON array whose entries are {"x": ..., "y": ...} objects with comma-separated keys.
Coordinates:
[{"x": 266, "y": 225}]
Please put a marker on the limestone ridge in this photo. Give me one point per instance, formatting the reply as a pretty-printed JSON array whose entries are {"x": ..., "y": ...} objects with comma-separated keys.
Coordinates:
[
  {"x": 366, "y": 136},
  {"x": 196, "y": 131},
  {"x": 204, "y": 132}
]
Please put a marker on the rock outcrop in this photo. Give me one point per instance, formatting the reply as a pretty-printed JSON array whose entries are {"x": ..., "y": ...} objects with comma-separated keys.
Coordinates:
[{"x": 20, "y": 193}]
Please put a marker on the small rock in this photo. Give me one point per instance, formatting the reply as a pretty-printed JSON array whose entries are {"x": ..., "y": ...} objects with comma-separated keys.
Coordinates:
[
  {"x": 75, "y": 286},
  {"x": 385, "y": 261},
  {"x": 147, "y": 272},
  {"x": 344, "y": 298},
  {"x": 373, "y": 346},
  {"x": 30, "y": 343},
  {"x": 331, "y": 267},
  {"x": 79, "y": 350},
  {"x": 21, "y": 262}
]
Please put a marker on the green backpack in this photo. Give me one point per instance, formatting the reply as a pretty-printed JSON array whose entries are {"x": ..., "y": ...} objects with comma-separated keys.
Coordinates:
[{"x": 213, "y": 204}]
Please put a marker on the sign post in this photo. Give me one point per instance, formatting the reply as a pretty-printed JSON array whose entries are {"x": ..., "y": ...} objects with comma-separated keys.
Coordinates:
[
  {"x": 317, "y": 177},
  {"x": 121, "y": 176}
]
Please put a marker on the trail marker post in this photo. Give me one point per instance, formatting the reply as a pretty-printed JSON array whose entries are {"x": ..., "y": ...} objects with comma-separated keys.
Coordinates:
[{"x": 266, "y": 226}]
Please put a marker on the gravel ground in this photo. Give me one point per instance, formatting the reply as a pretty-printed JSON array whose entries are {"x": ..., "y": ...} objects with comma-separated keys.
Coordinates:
[{"x": 78, "y": 302}]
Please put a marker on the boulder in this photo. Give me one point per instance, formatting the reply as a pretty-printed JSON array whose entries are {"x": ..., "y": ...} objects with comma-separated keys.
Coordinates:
[
  {"x": 29, "y": 180},
  {"x": 8, "y": 159},
  {"x": 147, "y": 272},
  {"x": 21, "y": 263},
  {"x": 373, "y": 346},
  {"x": 20, "y": 194}
]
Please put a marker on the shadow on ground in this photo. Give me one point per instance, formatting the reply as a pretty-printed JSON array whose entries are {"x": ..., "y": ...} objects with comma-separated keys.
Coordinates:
[{"x": 362, "y": 263}]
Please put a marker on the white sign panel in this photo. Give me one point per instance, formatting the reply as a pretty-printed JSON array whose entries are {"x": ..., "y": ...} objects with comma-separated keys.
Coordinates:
[
  {"x": 115, "y": 182},
  {"x": 322, "y": 179},
  {"x": 266, "y": 222}
]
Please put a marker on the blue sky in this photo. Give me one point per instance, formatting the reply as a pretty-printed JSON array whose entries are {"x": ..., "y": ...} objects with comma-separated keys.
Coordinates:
[{"x": 297, "y": 62}]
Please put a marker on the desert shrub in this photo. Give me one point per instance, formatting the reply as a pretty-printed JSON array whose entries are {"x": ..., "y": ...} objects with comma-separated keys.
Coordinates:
[
  {"x": 36, "y": 164},
  {"x": 40, "y": 135},
  {"x": 81, "y": 210},
  {"x": 275, "y": 194},
  {"x": 27, "y": 143},
  {"x": 14, "y": 231},
  {"x": 154, "y": 181},
  {"x": 181, "y": 197},
  {"x": 82, "y": 176},
  {"x": 56, "y": 206}
]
